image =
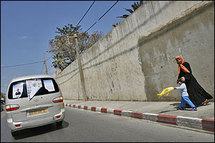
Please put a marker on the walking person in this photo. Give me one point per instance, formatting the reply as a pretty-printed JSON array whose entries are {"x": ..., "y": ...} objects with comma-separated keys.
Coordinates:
[
  {"x": 184, "y": 96},
  {"x": 196, "y": 93}
]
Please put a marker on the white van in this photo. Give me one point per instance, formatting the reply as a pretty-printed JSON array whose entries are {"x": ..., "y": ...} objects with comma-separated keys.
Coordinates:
[{"x": 33, "y": 101}]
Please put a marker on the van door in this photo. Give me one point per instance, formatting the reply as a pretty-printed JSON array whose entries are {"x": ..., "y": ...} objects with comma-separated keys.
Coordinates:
[
  {"x": 44, "y": 100},
  {"x": 17, "y": 95},
  {"x": 39, "y": 100}
]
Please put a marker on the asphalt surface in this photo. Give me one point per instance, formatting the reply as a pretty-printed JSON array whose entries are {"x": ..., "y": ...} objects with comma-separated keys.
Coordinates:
[{"x": 88, "y": 126}]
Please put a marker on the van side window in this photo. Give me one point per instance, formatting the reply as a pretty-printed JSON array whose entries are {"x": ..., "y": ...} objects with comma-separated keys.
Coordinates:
[
  {"x": 17, "y": 90},
  {"x": 49, "y": 85},
  {"x": 33, "y": 86}
]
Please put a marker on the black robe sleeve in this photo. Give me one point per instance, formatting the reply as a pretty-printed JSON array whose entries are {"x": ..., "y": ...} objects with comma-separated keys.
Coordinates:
[{"x": 186, "y": 75}]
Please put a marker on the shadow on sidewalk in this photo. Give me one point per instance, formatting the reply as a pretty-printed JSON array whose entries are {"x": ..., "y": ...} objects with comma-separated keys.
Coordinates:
[
  {"x": 175, "y": 104},
  {"x": 175, "y": 108},
  {"x": 166, "y": 111}
]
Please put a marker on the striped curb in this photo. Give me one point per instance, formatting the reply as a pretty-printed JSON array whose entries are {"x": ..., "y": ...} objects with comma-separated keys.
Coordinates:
[
  {"x": 104, "y": 110},
  {"x": 189, "y": 122},
  {"x": 208, "y": 124},
  {"x": 150, "y": 116},
  {"x": 167, "y": 119},
  {"x": 126, "y": 113},
  {"x": 204, "y": 124},
  {"x": 137, "y": 115},
  {"x": 93, "y": 108},
  {"x": 117, "y": 112}
]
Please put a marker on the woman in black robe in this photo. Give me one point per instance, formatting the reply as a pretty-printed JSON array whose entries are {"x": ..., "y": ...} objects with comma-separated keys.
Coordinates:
[{"x": 196, "y": 93}]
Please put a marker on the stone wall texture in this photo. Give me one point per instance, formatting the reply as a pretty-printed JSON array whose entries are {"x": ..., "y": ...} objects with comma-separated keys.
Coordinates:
[{"x": 136, "y": 59}]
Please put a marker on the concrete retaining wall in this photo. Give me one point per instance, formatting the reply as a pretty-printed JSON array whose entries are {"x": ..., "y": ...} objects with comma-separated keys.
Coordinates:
[
  {"x": 190, "y": 36},
  {"x": 123, "y": 66}
]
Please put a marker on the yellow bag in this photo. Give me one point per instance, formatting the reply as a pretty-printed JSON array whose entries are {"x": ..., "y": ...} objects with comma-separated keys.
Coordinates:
[{"x": 165, "y": 91}]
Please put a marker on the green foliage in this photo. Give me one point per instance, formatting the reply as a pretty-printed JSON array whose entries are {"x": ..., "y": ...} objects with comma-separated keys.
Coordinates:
[
  {"x": 63, "y": 45},
  {"x": 134, "y": 6},
  {"x": 68, "y": 30},
  {"x": 3, "y": 96},
  {"x": 60, "y": 61}
]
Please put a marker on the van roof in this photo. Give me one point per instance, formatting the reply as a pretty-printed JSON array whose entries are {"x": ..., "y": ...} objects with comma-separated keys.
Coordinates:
[{"x": 30, "y": 77}]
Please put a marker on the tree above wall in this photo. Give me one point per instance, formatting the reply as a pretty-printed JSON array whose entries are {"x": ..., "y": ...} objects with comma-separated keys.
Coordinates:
[
  {"x": 63, "y": 45},
  {"x": 134, "y": 6}
]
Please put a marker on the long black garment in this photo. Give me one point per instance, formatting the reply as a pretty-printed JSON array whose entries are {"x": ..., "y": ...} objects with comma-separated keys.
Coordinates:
[{"x": 196, "y": 93}]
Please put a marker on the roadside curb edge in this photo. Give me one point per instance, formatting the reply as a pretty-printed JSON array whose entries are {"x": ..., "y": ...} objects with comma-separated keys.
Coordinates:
[{"x": 204, "y": 124}]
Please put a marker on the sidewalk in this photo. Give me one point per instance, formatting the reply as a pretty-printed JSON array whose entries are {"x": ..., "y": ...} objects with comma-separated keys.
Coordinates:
[{"x": 165, "y": 112}]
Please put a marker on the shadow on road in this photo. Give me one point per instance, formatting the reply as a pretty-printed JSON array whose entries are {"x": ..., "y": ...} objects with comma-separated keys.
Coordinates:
[{"x": 39, "y": 130}]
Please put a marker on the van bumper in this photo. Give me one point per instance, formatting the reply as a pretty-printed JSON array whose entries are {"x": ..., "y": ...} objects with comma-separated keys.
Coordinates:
[{"x": 35, "y": 123}]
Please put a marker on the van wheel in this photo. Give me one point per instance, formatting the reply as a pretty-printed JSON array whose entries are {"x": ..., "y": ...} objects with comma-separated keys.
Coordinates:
[{"x": 59, "y": 124}]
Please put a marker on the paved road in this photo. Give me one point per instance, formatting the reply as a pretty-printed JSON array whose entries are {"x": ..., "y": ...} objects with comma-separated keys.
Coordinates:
[{"x": 88, "y": 126}]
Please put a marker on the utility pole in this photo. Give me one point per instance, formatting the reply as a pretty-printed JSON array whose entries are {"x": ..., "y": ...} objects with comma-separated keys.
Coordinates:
[
  {"x": 80, "y": 68},
  {"x": 45, "y": 62}
]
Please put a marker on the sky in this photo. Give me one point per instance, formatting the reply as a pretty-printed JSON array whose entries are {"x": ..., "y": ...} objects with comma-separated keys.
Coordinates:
[{"x": 27, "y": 27}]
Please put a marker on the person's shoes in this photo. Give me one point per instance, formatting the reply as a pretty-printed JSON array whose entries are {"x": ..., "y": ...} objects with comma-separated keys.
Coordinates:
[
  {"x": 180, "y": 108},
  {"x": 205, "y": 102},
  {"x": 194, "y": 109}
]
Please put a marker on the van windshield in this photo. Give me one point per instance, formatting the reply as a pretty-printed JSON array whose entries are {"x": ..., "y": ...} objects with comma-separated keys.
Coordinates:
[{"x": 32, "y": 87}]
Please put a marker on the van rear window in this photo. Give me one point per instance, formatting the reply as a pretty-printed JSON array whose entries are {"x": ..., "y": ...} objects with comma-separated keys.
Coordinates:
[{"x": 32, "y": 87}]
